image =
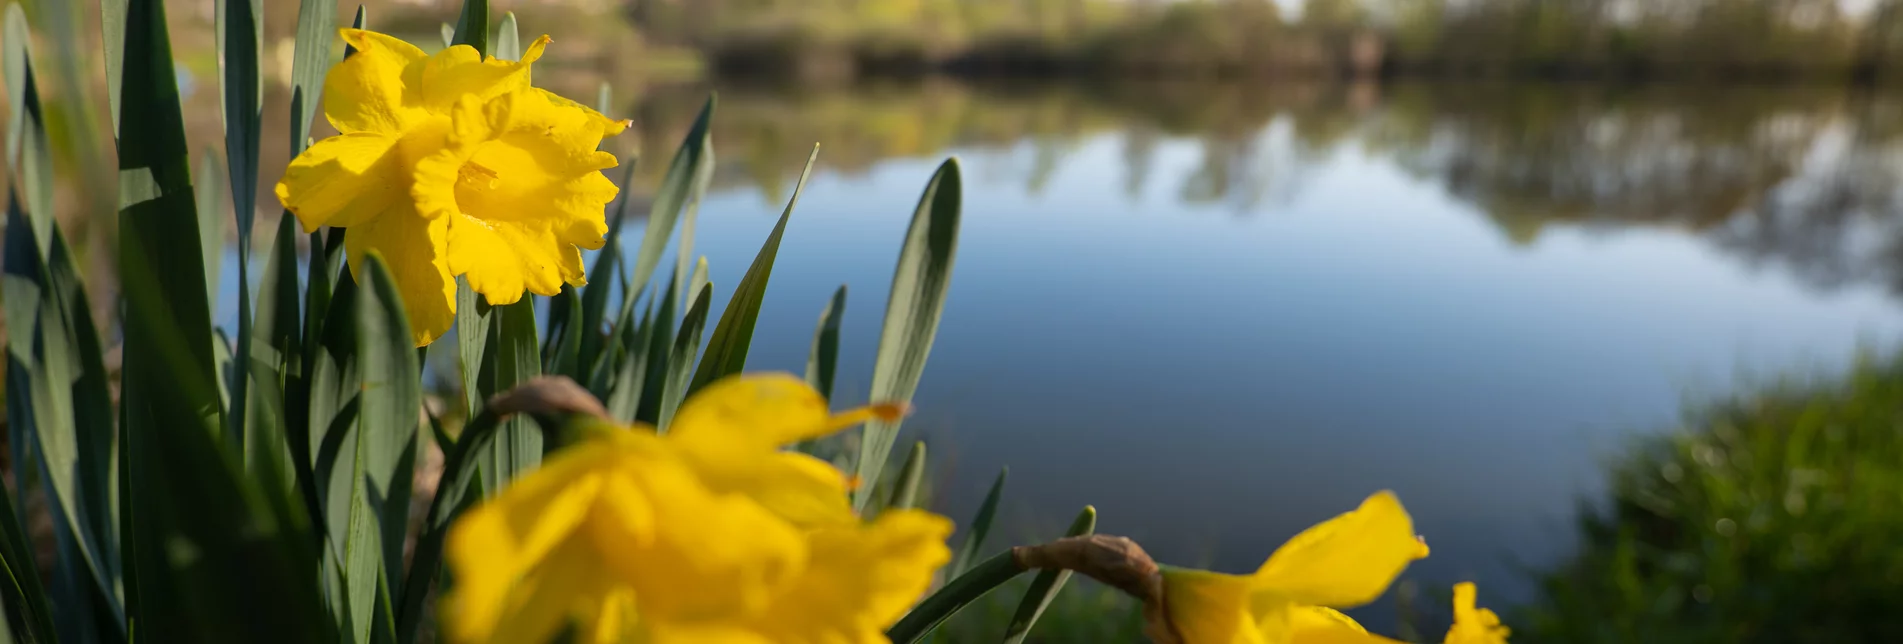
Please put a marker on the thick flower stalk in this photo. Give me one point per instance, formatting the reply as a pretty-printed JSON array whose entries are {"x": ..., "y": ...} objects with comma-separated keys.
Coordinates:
[
  {"x": 709, "y": 533},
  {"x": 453, "y": 165},
  {"x": 1344, "y": 562}
]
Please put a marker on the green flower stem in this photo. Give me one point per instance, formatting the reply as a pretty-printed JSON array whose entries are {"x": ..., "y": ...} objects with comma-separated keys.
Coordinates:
[{"x": 977, "y": 581}]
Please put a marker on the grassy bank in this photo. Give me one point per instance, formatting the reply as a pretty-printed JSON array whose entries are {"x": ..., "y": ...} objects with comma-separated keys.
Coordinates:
[{"x": 1772, "y": 516}]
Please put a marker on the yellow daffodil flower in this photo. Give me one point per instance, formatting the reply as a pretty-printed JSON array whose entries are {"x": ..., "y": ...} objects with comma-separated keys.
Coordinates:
[
  {"x": 1474, "y": 625},
  {"x": 709, "y": 533},
  {"x": 452, "y": 164},
  {"x": 1344, "y": 562}
]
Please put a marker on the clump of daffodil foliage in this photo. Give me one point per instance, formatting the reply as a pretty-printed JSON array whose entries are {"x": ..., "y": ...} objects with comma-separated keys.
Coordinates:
[{"x": 614, "y": 478}]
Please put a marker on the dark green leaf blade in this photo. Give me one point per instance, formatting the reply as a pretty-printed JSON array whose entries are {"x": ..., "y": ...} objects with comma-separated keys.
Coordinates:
[
  {"x": 29, "y": 150},
  {"x": 387, "y": 437},
  {"x": 919, "y": 285},
  {"x": 212, "y": 558},
  {"x": 310, "y": 62},
  {"x": 473, "y": 317},
  {"x": 275, "y": 356},
  {"x": 822, "y": 362},
  {"x": 979, "y": 527},
  {"x": 472, "y": 26},
  {"x": 905, "y": 489},
  {"x": 594, "y": 296},
  {"x": 1046, "y": 585},
  {"x": 686, "y": 181},
  {"x": 727, "y": 351},
  {"x": 513, "y": 358},
  {"x": 240, "y": 39},
  {"x": 681, "y": 360}
]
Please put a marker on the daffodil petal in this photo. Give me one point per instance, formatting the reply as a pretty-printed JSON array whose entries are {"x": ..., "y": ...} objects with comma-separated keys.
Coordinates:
[
  {"x": 565, "y": 588},
  {"x": 860, "y": 580},
  {"x": 496, "y": 544},
  {"x": 342, "y": 181},
  {"x": 1474, "y": 625},
  {"x": 412, "y": 247},
  {"x": 769, "y": 409},
  {"x": 720, "y": 556},
  {"x": 458, "y": 71},
  {"x": 502, "y": 259},
  {"x": 1346, "y": 561},
  {"x": 367, "y": 91},
  {"x": 799, "y": 488},
  {"x": 1212, "y": 608},
  {"x": 1318, "y": 625}
]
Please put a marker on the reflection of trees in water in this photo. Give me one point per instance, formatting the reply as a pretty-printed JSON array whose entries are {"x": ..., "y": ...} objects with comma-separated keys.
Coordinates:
[
  {"x": 1802, "y": 178},
  {"x": 1838, "y": 221}
]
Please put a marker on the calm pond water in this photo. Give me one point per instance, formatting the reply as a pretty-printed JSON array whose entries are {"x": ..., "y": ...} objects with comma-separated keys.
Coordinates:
[{"x": 1221, "y": 314}]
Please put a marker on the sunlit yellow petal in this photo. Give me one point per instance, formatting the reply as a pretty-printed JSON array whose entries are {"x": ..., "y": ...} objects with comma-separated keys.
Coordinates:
[
  {"x": 1212, "y": 608},
  {"x": 565, "y": 588},
  {"x": 1474, "y": 625},
  {"x": 342, "y": 181},
  {"x": 718, "y": 556},
  {"x": 860, "y": 579},
  {"x": 502, "y": 259},
  {"x": 413, "y": 248},
  {"x": 366, "y": 92},
  {"x": 1317, "y": 625},
  {"x": 458, "y": 71},
  {"x": 799, "y": 488},
  {"x": 498, "y": 543},
  {"x": 1346, "y": 561},
  {"x": 769, "y": 409}
]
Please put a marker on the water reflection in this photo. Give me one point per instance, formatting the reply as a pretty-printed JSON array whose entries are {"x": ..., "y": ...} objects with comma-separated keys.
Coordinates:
[{"x": 1800, "y": 178}]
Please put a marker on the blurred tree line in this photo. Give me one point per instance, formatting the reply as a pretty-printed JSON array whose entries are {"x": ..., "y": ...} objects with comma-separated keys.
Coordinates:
[{"x": 1623, "y": 38}]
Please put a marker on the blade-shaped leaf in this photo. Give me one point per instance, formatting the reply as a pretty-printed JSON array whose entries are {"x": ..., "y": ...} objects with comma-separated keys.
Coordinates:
[
  {"x": 1045, "y": 586},
  {"x": 727, "y": 351},
  {"x": 275, "y": 357},
  {"x": 203, "y": 538},
  {"x": 608, "y": 265},
  {"x": 686, "y": 181},
  {"x": 473, "y": 317},
  {"x": 210, "y": 198},
  {"x": 919, "y": 285},
  {"x": 631, "y": 379},
  {"x": 508, "y": 44},
  {"x": 660, "y": 351},
  {"x": 512, "y": 359},
  {"x": 29, "y": 618},
  {"x": 565, "y": 358},
  {"x": 699, "y": 277},
  {"x": 681, "y": 359},
  {"x": 905, "y": 489},
  {"x": 29, "y": 150},
  {"x": 472, "y": 26},
  {"x": 112, "y": 32},
  {"x": 385, "y": 442},
  {"x": 58, "y": 392},
  {"x": 240, "y": 37},
  {"x": 310, "y": 61},
  {"x": 823, "y": 361},
  {"x": 979, "y": 527}
]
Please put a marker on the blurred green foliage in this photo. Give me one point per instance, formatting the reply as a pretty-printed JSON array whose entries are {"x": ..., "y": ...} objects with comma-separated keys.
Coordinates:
[{"x": 1773, "y": 516}]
